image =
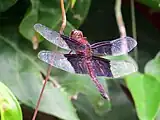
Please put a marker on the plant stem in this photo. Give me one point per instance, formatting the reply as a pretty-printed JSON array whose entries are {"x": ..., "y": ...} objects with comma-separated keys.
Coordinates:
[{"x": 50, "y": 67}]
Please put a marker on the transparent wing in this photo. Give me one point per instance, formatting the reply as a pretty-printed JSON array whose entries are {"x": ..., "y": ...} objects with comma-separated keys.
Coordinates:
[
  {"x": 51, "y": 36},
  {"x": 57, "y": 60},
  {"x": 113, "y": 47}
]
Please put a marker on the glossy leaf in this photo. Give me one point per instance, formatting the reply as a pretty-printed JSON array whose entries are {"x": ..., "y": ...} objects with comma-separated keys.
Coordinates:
[
  {"x": 9, "y": 106},
  {"x": 21, "y": 74},
  {"x": 47, "y": 13},
  {"x": 153, "y": 67},
  {"x": 154, "y": 4},
  {"x": 145, "y": 90},
  {"x": 73, "y": 3},
  {"x": 85, "y": 85},
  {"x": 6, "y": 4},
  {"x": 86, "y": 111}
]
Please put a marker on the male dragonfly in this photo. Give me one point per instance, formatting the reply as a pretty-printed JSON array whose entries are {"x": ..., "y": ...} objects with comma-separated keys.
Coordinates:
[{"x": 86, "y": 57}]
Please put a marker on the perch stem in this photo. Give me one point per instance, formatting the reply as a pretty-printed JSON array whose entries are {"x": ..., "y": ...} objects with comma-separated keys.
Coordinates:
[
  {"x": 121, "y": 25},
  {"x": 134, "y": 28},
  {"x": 50, "y": 67}
]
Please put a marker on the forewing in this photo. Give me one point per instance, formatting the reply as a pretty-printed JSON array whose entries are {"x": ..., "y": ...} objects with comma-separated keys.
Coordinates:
[
  {"x": 51, "y": 36},
  {"x": 112, "y": 68},
  {"x": 68, "y": 62},
  {"x": 113, "y": 47}
]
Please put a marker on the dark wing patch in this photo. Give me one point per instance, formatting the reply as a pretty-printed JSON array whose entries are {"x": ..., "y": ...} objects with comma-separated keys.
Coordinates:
[
  {"x": 102, "y": 67},
  {"x": 77, "y": 62}
]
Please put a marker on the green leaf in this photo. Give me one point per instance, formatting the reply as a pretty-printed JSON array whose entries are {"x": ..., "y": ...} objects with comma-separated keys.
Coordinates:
[
  {"x": 145, "y": 90},
  {"x": 73, "y": 3},
  {"x": 86, "y": 111},
  {"x": 85, "y": 85},
  {"x": 153, "y": 67},
  {"x": 21, "y": 73},
  {"x": 41, "y": 11},
  {"x": 49, "y": 14},
  {"x": 9, "y": 106},
  {"x": 6, "y": 4},
  {"x": 78, "y": 13},
  {"x": 154, "y": 4}
]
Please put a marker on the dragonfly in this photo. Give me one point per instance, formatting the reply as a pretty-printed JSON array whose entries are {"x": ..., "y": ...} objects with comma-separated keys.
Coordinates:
[{"x": 85, "y": 58}]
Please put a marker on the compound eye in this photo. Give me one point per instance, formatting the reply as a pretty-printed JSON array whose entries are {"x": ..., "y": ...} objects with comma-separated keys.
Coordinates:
[
  {"x": 80, "y": 34},
  {"x": 76, "y": 34},
  {"x": 73, "y": 32}
]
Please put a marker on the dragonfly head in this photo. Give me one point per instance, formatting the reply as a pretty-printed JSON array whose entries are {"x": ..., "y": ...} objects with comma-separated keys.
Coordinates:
[{"x": 76, "y": 34}]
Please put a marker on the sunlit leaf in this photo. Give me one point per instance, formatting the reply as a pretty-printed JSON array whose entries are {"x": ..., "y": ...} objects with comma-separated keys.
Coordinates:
[
  {"x": 86, "y": 111},
  {"x": 85, "y": 85},
  {"x": 9, "y": 106},
  {"x": 145, "y": 90},
  {"x": 154, "y": 4},
  {"x": 73, "y": 3},
  {"x": 153, "y": 67},
  {"x": 44, "y": 12}
]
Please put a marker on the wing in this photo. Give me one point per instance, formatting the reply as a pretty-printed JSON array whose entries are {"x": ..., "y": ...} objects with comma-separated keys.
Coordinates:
[
  {"x": 112, "y": 68},
  {"x": 101, "y": 66},
  {"x": 113, "y": 47},
  {"x": 60, "y": 40},
  {"x": 57, "y": 60},
  {"x": 51, "y": 36},
  {"x": 74, "y": 63}
]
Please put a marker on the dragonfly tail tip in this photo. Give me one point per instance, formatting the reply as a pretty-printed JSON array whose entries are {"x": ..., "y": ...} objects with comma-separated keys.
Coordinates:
[{"x": 105, "y": 96}]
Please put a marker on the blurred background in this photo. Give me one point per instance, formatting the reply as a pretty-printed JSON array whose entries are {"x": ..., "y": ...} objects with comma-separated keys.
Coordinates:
[{"x": 22, "y": 72}]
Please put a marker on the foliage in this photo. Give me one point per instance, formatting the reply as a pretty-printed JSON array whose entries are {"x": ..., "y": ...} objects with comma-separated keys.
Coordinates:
[
  {"x": 9, "y": 106},
  {"x": 21, "y": 70},
  {"x": 154, "y": 4},
  {"x": 20, "y": 61},
  {"x": 145, "y": 89}
]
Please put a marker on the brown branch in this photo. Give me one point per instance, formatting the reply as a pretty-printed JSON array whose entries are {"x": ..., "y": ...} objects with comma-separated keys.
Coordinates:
[
  {"x": 121, "y": 25},
  {"x": 50, "y": 67},
  {"x": 134, "y": 28},
  {"x": 35, "y": 41},
  {"x": 63, "y": 17}
]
